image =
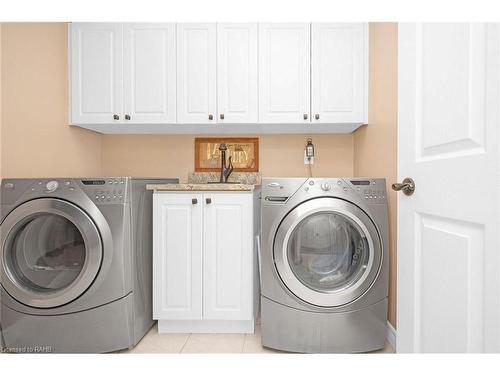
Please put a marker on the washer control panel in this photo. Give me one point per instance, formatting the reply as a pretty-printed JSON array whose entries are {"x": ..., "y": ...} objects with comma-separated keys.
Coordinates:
[{"x": 371, "y": 190}]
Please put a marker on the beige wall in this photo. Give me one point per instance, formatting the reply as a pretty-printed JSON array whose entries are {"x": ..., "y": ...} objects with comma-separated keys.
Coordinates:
[
  {"x": 173, "y": 155},
  {"x": 37, "y": 140},
  {"x": 375, "y": 145}
]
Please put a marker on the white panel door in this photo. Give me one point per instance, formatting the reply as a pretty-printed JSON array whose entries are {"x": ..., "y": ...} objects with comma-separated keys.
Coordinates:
[
  {"x": 284, "y": 72},
  {"x": 96, "y": 73},
  {"x": 339, "y": 72},
  {"x": 448, "y": 230},
  {"x": 227, "y": 256},
  {"x": 177, "y": 256},
  {"x": 237, "y": 80},
  {"x": 149, "y": 73},
  {"x": 196, "y": 73}
]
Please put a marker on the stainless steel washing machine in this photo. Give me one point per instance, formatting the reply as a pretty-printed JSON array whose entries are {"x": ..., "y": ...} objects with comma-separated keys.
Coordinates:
[
  {"x": 75, "y": 263},
  {"x": 324, "y": 264}
]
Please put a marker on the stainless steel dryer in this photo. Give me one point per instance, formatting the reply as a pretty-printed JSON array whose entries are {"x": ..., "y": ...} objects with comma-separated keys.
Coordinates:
[
  {"x": 75, "y": 263},
  {"x": 324, "y": 264}
]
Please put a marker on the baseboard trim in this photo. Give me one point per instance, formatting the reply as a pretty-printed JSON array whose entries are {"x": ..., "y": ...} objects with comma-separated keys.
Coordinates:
[
  {"x": 206, "y": 326},
  {"x": 391, "y": 335}
]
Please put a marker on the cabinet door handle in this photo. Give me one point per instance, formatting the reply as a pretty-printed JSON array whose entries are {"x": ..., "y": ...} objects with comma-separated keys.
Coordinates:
[
  {"x": 208, "y": 200},
  {"x": 127, "y": 117},
  {"x": 116, "y": 117},
  {"x": 305, "y": 116},
  {"x": 222, "y": 116},
  {"x": 316, "y": 116},
  {"x": 194, "y": 201},
  {"x": 210, "y": 117}
]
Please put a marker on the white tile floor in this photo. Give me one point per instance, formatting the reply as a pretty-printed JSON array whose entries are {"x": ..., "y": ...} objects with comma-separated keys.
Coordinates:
[{"x": 154, "y": 342}]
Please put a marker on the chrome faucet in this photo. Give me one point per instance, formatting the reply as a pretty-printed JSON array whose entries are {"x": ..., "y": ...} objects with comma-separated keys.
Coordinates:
[{"x": 225, "y": 171}]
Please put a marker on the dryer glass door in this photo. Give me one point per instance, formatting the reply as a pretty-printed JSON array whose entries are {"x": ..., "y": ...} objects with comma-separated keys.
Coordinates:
[
  {"x": 327, "y": 252},
  {"x": 51, "y": 252}
]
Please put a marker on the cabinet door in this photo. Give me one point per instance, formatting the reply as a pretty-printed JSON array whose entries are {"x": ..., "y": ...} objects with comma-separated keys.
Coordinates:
[
  {"x": 149, "y": 73},
  {"x": 177, "y": 256},
  {"x": 196, "y": 73},
  {"x": 284, "y": 73},
  {"x": 237, "y": 81},
  {"x": 339, "y": 72},
  {"x": 227, "y": 256},
  {"x": 96, "y": 73}
]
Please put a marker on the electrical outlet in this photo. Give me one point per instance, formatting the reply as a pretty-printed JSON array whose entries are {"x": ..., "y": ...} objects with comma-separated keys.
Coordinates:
[{"x": 308, "y": 160}]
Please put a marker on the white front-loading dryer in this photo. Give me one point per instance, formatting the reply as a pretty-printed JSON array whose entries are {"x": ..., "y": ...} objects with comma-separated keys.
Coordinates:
[{"x": 324, "y": 264}]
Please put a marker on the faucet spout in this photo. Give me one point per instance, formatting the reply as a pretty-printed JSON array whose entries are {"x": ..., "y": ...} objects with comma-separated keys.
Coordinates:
[{"x": 225, "y": 170}]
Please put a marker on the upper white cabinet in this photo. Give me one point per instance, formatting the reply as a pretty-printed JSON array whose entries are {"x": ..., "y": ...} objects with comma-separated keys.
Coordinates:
[
  {"x": 196, "y": 73},
  {"x": 122, "y": 73},
  {"x": 96, "y": 75},
  {"x": 226, "y": 78},
  {"x": 339, "y": 72},
  {"x": 149, "y": 73},
  {"x": 284, "y": 73},
  {"x": 237, "y": 81}
]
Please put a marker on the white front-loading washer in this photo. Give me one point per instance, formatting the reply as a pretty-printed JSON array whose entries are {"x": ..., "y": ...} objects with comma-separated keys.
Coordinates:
[
  {"x": 324, "y": 264},
  {"x": 75, "y": 263}
]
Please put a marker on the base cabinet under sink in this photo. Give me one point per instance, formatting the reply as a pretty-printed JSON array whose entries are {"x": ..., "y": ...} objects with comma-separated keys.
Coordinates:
[{"x": 204, "y": 261}]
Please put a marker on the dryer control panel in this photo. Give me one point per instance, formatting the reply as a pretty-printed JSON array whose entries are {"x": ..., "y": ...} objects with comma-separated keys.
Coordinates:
[{"x": 110, "y": 190}]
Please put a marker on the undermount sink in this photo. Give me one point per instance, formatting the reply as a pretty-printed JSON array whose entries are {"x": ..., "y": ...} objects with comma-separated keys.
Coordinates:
[{"x": 222, "y": 183}]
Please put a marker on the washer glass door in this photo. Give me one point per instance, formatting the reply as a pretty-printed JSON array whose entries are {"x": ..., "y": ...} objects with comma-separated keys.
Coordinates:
[
  {"x": 327, "y": 252},
  {"x": 51, "y": 252}
]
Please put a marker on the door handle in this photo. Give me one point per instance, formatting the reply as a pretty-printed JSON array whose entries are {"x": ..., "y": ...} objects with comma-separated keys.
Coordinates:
[
  {"x": 407, "y": 186},
  {"x": 208, "y": 200},
  {"x": 194, "y": 201}
]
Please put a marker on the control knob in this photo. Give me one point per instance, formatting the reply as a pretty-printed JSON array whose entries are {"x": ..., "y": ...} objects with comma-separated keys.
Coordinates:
[
  {"x": 52, "y": 186},
  {"x": 326, "y": 186}
]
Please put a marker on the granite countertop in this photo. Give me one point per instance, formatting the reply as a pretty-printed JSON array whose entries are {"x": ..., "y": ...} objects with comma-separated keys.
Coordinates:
[
  {"x": 200, "y": 187},
  {"x": 198, "y": 181}
]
